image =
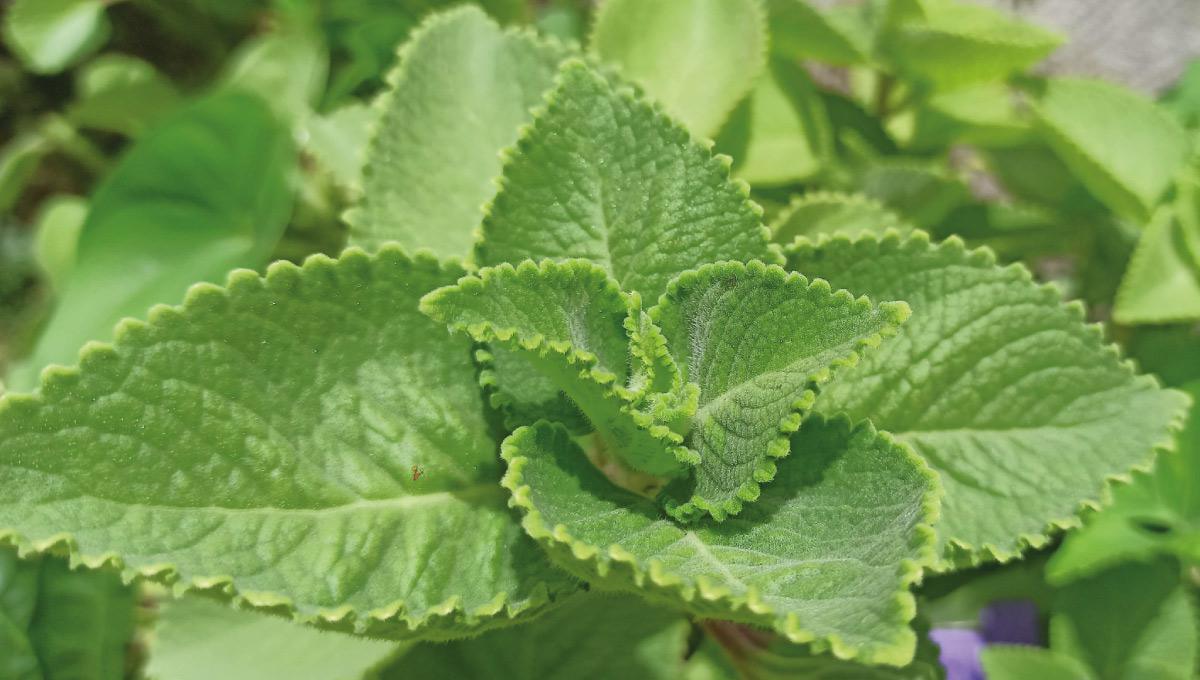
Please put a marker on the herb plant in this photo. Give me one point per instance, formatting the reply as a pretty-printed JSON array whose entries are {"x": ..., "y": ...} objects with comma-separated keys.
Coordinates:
[{"x": 585, "y": 394}]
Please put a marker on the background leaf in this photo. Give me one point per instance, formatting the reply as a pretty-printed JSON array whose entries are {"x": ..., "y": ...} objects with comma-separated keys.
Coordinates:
[{"x": 50, "y": 35}]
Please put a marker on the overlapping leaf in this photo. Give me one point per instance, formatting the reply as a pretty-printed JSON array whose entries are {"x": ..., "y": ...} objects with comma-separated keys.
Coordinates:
[
  {"x": 463, "y": 89},
  {"x": 832, "y": 213},
  {"x": 307, "y": 441},
  {"x": 50, "y": 35},
  {"x": 1006, "y": 392},
  {"x": 825, "y": 555}
]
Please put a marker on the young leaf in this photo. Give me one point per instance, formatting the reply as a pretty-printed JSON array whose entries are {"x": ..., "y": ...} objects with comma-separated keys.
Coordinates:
[
  {"x": 835, "y": 35},
  {"x": 697, "y": 58},
  {"x": 58, "y": 226},
  {"x": 338, "y": 140},
  {"x": 1080, "y": 119},
  {"x": 832, "y": 213},
  {"x": 291, "y": 434},
  {"x": 992, "y": 372},
  {"x": 1022, "y": 662},
  {"x": 198, "y": 639},
  {"x": 590, "y": 637},
  {"x": 602, "y": 175},
  {"x": 757, "y": 341},
  {"x": 825, "y": 556},
  {"x": 50, "y": 35},
  {"x": 204, "y": 192},
  {"x": 569, "y": 321},
  {"x": 122, "y": 94},
  {"x": 952, "y": 43},
  {"x": 462, "y": 90}
]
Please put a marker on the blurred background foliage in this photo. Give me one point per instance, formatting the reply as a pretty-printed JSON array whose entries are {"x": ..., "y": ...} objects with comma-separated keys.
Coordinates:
[{"x": 147, "y": 145}]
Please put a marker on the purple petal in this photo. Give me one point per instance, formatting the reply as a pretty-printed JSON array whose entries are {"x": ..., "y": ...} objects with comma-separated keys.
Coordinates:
[
  {"x": 960, "y": 649},
  {"x": 1013, "y": 622}
]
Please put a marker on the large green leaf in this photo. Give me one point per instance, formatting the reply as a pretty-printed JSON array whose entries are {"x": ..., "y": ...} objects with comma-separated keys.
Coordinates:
[
  {"x": 59, "y": 623},
  {"x": 991, "y": 375},
  {"x": 278, "y": 427},
  {"x": 1080, "y": 119},
  {"x": 50, "y": 35},
  {"x": 757, "y": 341},
  {"x": 204, "y": 192},
  {"x": 602, "y": 175},
  {"x": 462, "y": 90},
  {"x": 198, "y": 639},
  {"x": 569, "y": 322},
  {"x": 590, "y": 637},
  {"x": 697, "y": 58},
  {"x": 825, "y": 556}
]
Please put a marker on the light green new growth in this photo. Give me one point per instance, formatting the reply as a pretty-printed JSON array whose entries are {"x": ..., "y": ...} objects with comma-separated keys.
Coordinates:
[
  {"x": 1006, "y": 392},
  {"x": 825, "y": 556},
  {"x": 50, "y": 35},
  {"x": 590, "y": 637},
  {"x": 757, "y": 341},
  {"x": 462, "y": 90},
  {"x": 697, "y": 58},
  {"x": 835, "y": 35},
  {"x": 306, "y": 442},
  {"x": 832, "y": 213},
  {"x": 570, "y": 321}
]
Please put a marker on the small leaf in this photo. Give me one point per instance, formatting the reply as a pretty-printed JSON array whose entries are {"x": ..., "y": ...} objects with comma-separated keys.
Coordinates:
[
  {"x": 58, "y": 225},
  {"x": 951, "y": 43},
  {"x": 825, "y": 556},
  {"x": 697, "y": 58},
  {"x": 757, "y": 341},
  {"x": 923, "y": 193},
  {"x": 286, "y": 66},
  {"x": 832, "y": 213},
  {"x": 198, "y": 639},
  {"x": 462, "y": 90},
  {"x": 204, "y": 192},
  {"x": 1020, "y": 662},
  {"x": 50, "y": 35},
  {"x": 19, "y": 159},
  {"x": 992, "y": 372},
  {"x": 602, "y": 175},
  {"x": 590, "y": 637},
  {"x": 291, "y": 434},
  {"x": 338, "y": 140},
  {"x": 569, "y": 322},
  {"x": 836, "y": 35},
  {"x": 1080, "y": 119},
  {"x": 122, "y": 94}
]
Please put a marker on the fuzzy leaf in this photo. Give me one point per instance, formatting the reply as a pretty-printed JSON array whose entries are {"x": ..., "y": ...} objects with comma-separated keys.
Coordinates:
[
  {"x": 603, "y": 176},
  {"x": 50, "y": 35},
  {"x": 757, "y": 341},
  {"x": 198, "y": 639},
  {"x": 697, "y": 58},
  {"x": 205, "y": 191},
  {"x": 990, "y": 374},
  {"x": 275, "y": 425},
  {"x": 825, "y": 556},
  {"x": 590, "y": 637},
  {"x": 462, "y": 90},
  {"x": 1080, "y": 119},
  {"x": 832, "y": 213},
  {"x": 569, "y": 321},
  {"x": 338, "y": 140}
]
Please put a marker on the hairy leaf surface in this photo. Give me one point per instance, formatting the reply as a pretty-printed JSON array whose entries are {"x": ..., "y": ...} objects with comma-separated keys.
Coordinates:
[
  {"x": 757, "y": 341},
  {"x": 278, "y": 427},
  {"x": 1006, "y": 392},
  {"x": 462, "y": 90},
  {"x": 825, "y": 555},
  {"x": 698, "y": 58}
]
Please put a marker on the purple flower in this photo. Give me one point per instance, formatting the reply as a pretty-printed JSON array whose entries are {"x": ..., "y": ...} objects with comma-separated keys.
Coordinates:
[{"x": 1005, "y": 622}]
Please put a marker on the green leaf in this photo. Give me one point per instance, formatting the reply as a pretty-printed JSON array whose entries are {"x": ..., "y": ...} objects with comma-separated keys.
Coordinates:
[
  {"x": 992, "y": 372},
  {"x": 1079, "y": 119},
  {"x": 198, "y": 639},
  {"x": 782, "y": 660},
  {"x": 590, "y": 637},
  {"x": 923, "y": 193},
  {"x": 1020, "y": 662},
  {"x": 50, "y": 35},
  {"x": 1135, "y": 621},
  {"x": 833, "y": 213},
  {"x": 951, "y": 43},
  {"x": 59, "y": 623},
  {"x": 757, "y": 341},
  {"x": 19, "y": 159},
  {"x": 204, "y": 192},
  {"x": 58, "y": 225},
  {"x": 825, "y": 556},
  {"x": 697, "y": 58},
  {"x": 122, "y": 94},
  {"x": 339, "y": 140},
  {"x": 569, "y": 321},
  {"x": 277, "y": 426},
  {"x": 1157, "y": 513},
  {"x": 602, "y": 175},
  {"x": 836, "y": 35},
  {"x": 287, "y": 67},
  {"x": 1183, "y": 99},
  {"x": 984, "y": 115},
  {"x": 462, "y": 90}
]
